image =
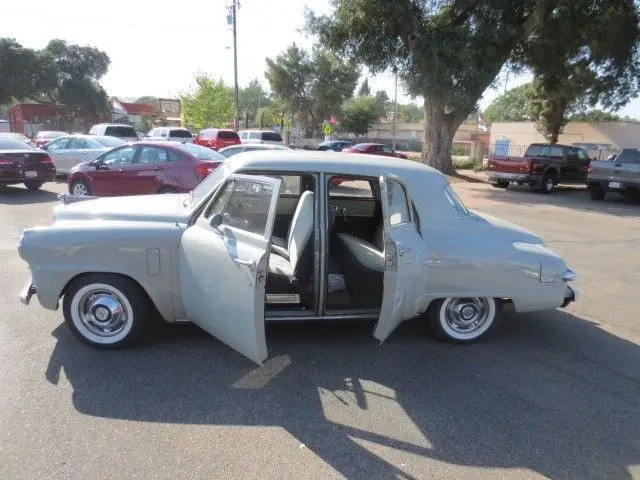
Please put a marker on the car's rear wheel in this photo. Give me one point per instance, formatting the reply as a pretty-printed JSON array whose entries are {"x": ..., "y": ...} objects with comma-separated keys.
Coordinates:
[
  {"x": 105, "y": 310},
  {"x": 597, "y": 192},
  {"x": 80, "y": 188},
  {"x": 33, "y": 186},
  {"x": 463, "y": 320},
  {"x": 547, "y": 184},
  {"x": 500, "y": 184}
]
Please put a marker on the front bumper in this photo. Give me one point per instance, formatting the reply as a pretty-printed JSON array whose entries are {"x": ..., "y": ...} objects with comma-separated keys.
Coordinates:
[
  {"x": 27, "y": 292},
  {"x": 571, "y": 295}
]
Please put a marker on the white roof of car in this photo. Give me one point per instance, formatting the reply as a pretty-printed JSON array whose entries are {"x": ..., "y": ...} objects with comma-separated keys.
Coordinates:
[{"x": 335, "y": 162}]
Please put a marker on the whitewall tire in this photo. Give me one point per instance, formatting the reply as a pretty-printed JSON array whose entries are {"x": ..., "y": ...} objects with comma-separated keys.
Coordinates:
[
  {"x": 105, "y": 310},
  {"x": 463, "y": 320}
]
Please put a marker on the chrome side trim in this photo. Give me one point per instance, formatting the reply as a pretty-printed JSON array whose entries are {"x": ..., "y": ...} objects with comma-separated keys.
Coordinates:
[
  {"x": 283, "y": 298},
  {"x": 314, "y": 318}
]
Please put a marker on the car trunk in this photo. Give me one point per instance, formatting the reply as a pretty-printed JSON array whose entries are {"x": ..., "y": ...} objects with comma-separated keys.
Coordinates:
[{"x": 24, "y": 164}]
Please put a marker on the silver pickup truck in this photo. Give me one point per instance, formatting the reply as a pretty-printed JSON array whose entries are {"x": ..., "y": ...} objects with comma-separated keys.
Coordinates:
[{"x": 618, "y": 174}]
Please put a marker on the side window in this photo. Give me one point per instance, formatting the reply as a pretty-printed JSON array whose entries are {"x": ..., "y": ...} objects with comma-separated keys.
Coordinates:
[
  {"x": 243, "y": 135},
  {"x": 572, "y": 153},
  {"x": 221, "y": 200},
  {"x": 254, "y": 135},
  {"x": 398, "y": 205},
  {"x": 174, "y": 157},
  {"x": 60, "y": 144},
  {"x": 121, "y": 156},
  {"x": 378, "y": 148},
  {"x": 350, "y": 187},
  {"x": 386, "y": 149},
  {"x": 248, "y": 206},
  {"x": 152, "y": 155},
  {"x": 163, "y": 133},
  {"x": 78, "y": 144},
  {"x": 582, "y": 154}
]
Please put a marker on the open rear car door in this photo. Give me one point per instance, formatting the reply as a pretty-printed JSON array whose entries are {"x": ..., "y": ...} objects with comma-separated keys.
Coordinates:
[
  {"x": 403, "y": 247},
  {"x": 223, "y": 263}
]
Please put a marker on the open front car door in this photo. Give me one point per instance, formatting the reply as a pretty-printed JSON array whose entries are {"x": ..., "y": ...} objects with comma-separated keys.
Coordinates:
[
  {"x": 223, "y": 263},
  {"x": 404, "y": 250}
]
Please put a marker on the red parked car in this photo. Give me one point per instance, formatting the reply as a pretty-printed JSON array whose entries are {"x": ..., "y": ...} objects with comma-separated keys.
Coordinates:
[
  {"x": 217, "y": 138},
  {"x": 374, "y": 149},
  {"x": 145, "y": 167},
  {"x": 44, "y": 137}
]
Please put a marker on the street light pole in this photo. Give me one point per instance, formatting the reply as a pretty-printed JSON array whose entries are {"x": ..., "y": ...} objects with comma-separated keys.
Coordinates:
[
  {"x": 395, "y": 106},
  {"x": 234, "y": 10}
]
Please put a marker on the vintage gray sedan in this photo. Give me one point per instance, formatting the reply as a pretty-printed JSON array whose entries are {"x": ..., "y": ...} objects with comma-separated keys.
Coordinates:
[{"x": 389, "y": 242}]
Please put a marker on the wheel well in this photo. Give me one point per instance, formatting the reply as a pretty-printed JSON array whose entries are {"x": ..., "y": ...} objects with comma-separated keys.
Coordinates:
[
  {"x": 127, "y": 277},
  {"x": 552, "y": 171}
]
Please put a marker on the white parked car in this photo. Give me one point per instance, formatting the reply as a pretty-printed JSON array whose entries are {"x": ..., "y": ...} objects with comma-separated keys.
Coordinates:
[
  {"x": 260, "y": 136},
  {"x": 249, "y": 147},
  {"x": 171, "y": 134},
  {"x": 67, "y": 152},
  {"x": 390, "y": 242},
  {"x": 121, "y": 131}
]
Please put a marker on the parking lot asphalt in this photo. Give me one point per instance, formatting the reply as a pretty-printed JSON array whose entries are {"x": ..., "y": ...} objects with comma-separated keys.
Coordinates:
[{"x": 554, "y": 394}]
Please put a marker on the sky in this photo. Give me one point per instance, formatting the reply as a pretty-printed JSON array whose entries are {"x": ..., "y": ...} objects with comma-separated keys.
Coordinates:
[{"x": 156, "y": 48}]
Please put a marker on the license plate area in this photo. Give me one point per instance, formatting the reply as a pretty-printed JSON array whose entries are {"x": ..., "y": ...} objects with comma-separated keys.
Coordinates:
[
  {"x": 615, "y": 185},
  {"x": 30, "y": 174}
]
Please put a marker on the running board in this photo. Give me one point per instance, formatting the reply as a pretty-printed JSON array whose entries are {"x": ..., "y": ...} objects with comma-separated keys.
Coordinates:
[{"x": 283, "y": 298}]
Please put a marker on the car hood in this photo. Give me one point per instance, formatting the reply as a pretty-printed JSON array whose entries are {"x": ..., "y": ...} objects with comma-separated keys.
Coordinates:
[
  {"x": 491, "y": 226},
  {"x": 142, "y": 208}
]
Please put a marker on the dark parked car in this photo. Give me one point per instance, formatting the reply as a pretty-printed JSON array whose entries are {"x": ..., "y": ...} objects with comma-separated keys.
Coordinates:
[
  {"x": 619, "y": 174},
  {"x": 144, "y": 168},
  {"x": 374, "y": 149},
  {"x": 542, "y": 168},
  {"x": 22, "y": 163},
  {"x": 216, "y": 138},
  {"x": 335, "y": 145}
]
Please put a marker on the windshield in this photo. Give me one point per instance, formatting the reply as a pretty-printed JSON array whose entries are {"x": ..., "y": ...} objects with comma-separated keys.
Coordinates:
[
  {"x": 209, "y": 184},
  {"x": 201, "y": 153},
  {"x": 110, "y": 141}
]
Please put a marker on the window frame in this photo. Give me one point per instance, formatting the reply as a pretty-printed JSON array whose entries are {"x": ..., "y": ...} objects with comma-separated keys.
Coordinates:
[{"x": 136, "y": 159}]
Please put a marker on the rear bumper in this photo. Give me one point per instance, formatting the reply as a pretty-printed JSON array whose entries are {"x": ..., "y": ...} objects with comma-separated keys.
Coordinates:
[
  {"x": 613, "y": 185},
  {"x": 27, "y": 292},
  {"x": 495, "y": 177},
  {"x": 12, "y": 175}
]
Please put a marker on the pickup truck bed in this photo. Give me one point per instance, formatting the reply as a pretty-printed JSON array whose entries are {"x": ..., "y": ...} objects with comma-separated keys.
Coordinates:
[{"x": 621, "y": 174}]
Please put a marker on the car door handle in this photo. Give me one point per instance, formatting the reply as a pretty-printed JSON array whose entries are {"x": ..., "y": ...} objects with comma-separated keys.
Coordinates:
[
  {"x": 246, "y": 263},
  {"x": 158, "y": 168}
]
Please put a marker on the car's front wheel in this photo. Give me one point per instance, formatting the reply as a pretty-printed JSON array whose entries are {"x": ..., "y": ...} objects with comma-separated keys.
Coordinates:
[
  {"x": 500, "y": 184},
  {"x": 105, "y": 310},
  {"x": 463, "y": 320},
  {"x": 597, "y": 192},
  {"x": 80, "y": 188}
]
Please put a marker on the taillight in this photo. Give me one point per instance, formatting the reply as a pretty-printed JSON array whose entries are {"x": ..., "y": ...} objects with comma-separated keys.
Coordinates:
[
  {"x": 589, "y": 169},
  {"x": 4, "y": 161},
  {"x": 203, "y": 170},
  {"x": 46, "y": 159}
]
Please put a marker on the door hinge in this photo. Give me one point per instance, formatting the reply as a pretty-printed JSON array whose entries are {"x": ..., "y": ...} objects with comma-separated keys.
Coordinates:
[{"x": 261, "y": 277}]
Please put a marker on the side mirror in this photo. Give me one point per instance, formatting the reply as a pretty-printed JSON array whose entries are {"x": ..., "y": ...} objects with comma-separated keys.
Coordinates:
[{"x": 216, "y": 221}]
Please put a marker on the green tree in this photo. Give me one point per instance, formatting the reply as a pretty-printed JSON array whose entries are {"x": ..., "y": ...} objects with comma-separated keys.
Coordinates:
[
  {"x": 358, "y": 114},
  {"x": 251, "y": 99},
  {"x": 513, "y": 105},
  {"x": 448, "y": 51},
  {"x": 209, "y": 105},
  {"x": 311, "y": 86},
  {"x": 595, "y": 115},
  {"x": 364, "y": 88},
  {"x": 410, "y": 113},
  {"x": 597, "y": 62},
  {"x": 382, "y": 104},
  {"x": 20, "y": 74},
  {"x": 72, "y": 74}
]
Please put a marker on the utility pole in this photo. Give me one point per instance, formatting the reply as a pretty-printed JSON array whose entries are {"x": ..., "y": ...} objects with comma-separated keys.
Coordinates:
[
  {"x": 234, "y": 9},
  {"x": 395, "y": 106}
]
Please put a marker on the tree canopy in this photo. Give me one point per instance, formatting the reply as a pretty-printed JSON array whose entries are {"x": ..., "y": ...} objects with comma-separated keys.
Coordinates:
[
  {"x": 449, "y": 52},
  {"x": 511, "y": 106},
  {"x": 364, "y": 88},
  {"x": 358, "y": 114},
  {"x": 209, "y": 105},
  {"x": 251, "y": 99},
  {"x": 312, "y": 86}
]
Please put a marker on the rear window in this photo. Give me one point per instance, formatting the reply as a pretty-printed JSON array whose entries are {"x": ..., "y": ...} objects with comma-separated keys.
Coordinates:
[
  {"x": 110, "y": 142},
  {"x": 201, "y": 153},
  {"x": 13, "y": 144},
  {"x": 544, "y": 151},
  {"x": 271, "y": 137},
  {"x": 121, "y": 132},
  {"x": 228, "y": 135},
  {"x": 180, "y": 134},
  {"x": 630, "y": 155}
]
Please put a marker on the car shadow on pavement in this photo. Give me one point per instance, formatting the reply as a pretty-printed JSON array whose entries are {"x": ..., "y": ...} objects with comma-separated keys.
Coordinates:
[
  {"x": 573, "y": 198},
  {"x": 17, "y": 195},
  {"x": 550, "y": 392}
]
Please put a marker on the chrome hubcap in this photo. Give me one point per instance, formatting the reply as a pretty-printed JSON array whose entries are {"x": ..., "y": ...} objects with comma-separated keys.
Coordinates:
[
  {"x": 466, "y": 315},
  {"x": 80, "y": 189},
  {"x": 103, "y": 313},
  {"x": 550, "y": 184}
]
